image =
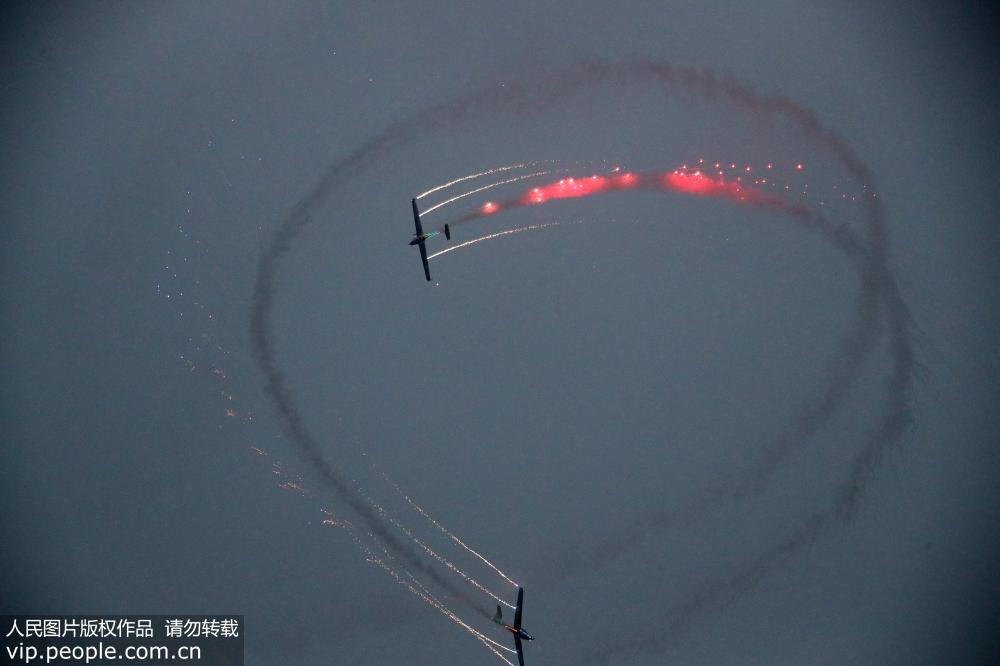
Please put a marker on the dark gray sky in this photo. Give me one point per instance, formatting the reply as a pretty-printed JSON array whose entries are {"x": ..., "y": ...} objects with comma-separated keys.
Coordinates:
[{"x": 593, "y": 405}]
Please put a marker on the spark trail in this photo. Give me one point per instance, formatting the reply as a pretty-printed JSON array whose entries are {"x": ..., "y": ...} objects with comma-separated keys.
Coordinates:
[
  {"x": 421, "y": 592},
  {"x": 435, "y": 555},
  {"x": 488, "y": 172},
  {"x": 416, "y": 507},
  {"x": 296, "y": 484},
  {"x": 507, "y": 232},
  {"x": 695, "y": 181},
  {"x": 481, "y": 189}
]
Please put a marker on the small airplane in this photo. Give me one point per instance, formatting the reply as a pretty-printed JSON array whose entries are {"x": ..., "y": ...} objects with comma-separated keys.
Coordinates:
[
  {"x": 420, "y": 238},
  {"x": 519, "y": 633}
]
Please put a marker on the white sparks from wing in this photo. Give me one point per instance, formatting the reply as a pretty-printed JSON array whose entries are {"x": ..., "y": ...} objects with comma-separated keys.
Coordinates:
[
  {"x": 531, "y": 227},
  {"x": 422, "y": 512},
  {"x": 481, "y": 189},
  {"x": 488, "y": 172}
]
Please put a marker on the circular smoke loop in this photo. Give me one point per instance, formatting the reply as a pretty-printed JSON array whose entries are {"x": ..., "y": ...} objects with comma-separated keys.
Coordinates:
[{"x": 880, "y": 311}]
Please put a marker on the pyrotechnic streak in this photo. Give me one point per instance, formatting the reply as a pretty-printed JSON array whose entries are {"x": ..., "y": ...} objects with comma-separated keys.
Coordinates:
[
  {"x": 488, "y": 172},
  {"x": 423, "y": 593},
  {"x": 483, "y": 637},
  {"x": 423, "y": 587},
  {"x": 443, "y": 560},
  {"x": 372, "y": 558},
  {"x": 507, "y": 232},
  {"x": 481, "y": 189},
  {"x": 686, "y": 180},
  {"x": 441, "y": 527},
  {"x": 430, "y": 551},
  {"x": 430, "y": 599}
]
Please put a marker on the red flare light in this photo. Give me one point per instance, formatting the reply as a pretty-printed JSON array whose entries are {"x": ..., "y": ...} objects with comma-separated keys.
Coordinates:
[
  {"x": 567, "y": 188},
  {"x": 699, "y": 184},
  {"x": 624, "y": 180},
  {"x": 708, "y": 180}
]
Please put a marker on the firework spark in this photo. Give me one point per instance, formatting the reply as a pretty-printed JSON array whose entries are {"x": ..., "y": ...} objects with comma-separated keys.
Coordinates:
[{"x": 488, "y": 172}]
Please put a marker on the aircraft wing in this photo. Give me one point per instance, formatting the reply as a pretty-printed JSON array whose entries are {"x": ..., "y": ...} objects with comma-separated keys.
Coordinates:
[
  {"x": 416, "y": 218},
  {"x": 517, "y": 611},
  {"x": 420, "y": 233},
  {"x": 423, "y": 258},
  {"x": 520, "y": 654}
]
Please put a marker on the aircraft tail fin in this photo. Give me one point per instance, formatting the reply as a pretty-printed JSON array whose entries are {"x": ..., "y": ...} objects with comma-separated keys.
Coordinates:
[{"x": 498, "y": 618}]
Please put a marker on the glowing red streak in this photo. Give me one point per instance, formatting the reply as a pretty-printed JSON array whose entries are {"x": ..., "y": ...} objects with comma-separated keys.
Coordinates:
[
  {"x": 567, "y": 188},
  {"x": 699, "y": 184},
  {"x": 625, "y": 180},
  {"x": 686, "y": 180}
]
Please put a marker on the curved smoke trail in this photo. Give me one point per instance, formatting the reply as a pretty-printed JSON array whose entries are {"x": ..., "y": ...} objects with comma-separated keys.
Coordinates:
[{"x": 880, "y": 304}]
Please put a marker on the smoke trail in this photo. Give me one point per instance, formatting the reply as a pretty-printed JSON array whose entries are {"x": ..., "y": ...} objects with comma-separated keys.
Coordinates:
[
  {"x": 878, "y": 286},
  {"x": 880, "y": 301},
  {"x": 808, "y": 417}
]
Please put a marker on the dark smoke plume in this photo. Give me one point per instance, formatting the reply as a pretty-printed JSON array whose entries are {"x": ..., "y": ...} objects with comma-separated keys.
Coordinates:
[{"x": 880, "y": 310}]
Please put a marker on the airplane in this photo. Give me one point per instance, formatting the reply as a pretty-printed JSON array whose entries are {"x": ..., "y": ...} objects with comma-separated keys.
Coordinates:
[
  {"x": 519, "y": 633},
  {"x": 420, "y": 238}
]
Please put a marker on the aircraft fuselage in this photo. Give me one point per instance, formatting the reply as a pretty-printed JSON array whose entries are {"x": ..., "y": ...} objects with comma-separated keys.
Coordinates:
[
  {"x": 422, "y": 237},
  {"x": 520, "y": 633}
]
